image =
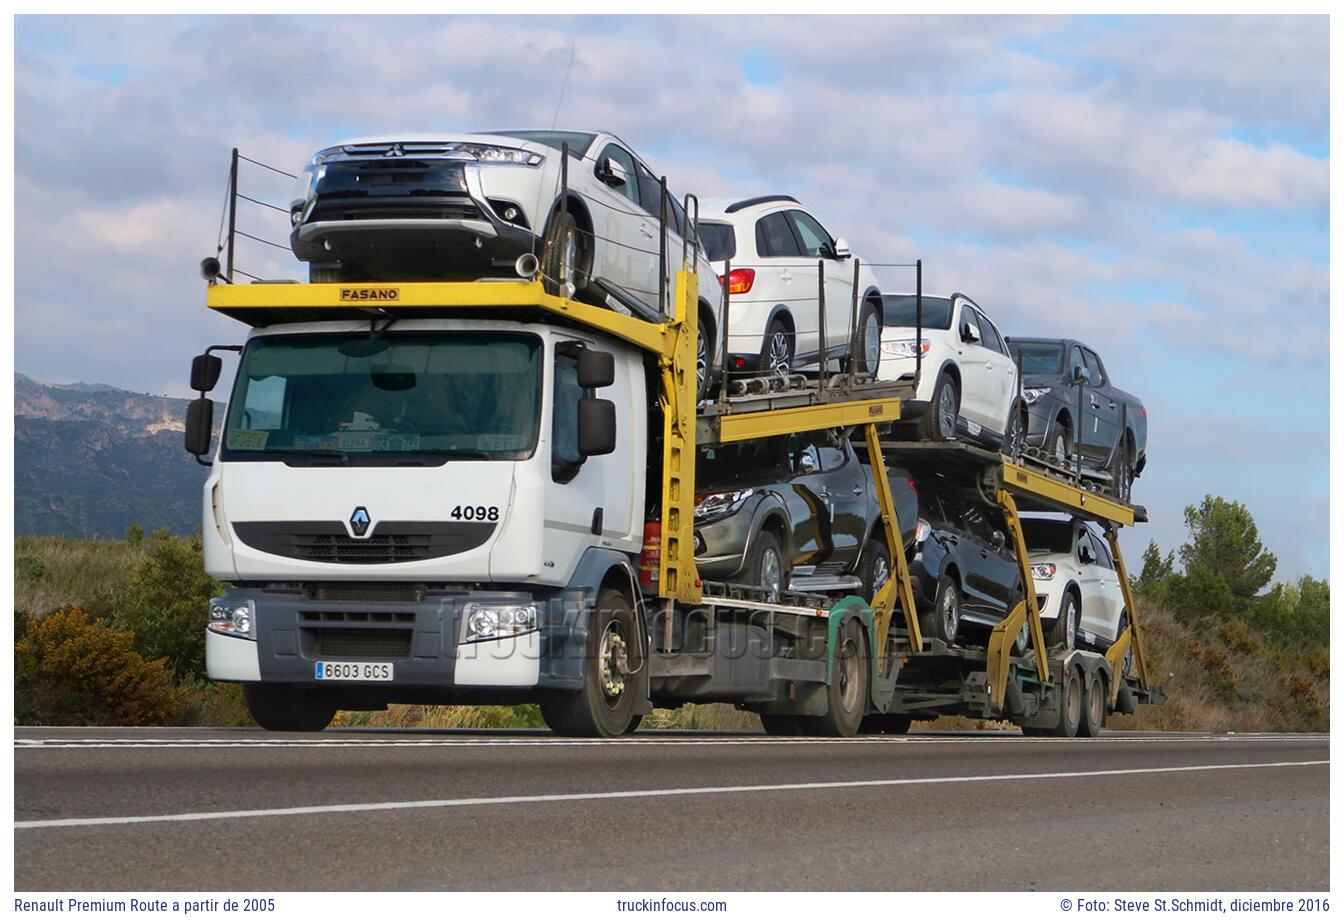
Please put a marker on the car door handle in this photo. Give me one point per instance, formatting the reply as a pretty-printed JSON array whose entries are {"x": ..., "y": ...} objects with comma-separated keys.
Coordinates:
[
  {"x": 1111, "y": 405},
  {"x": 857, "y": 490},
  {"x": 644, "y": 229},
  {"x": 785, "y": 275}
]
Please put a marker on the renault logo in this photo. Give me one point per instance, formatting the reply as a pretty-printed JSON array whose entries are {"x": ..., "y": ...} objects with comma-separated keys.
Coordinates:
[{"x": 359, "y": 521}]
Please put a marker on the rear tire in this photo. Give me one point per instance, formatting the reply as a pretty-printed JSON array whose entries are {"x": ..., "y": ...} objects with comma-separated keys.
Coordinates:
[
  {"x": 867, "y": 351},
  {"x": 1094, "y": 707},
  {"x": 564, "y": 256},
  {"x": 1070, "y": 705},
  {"x": 288, "y": 709},
  {"x": 612, "y": 680},
  {"x": 1062, "y": 445},
  {"x": 847, "y": 693},
  {"x": 874, "y": 567},
  {"x": 1122, "y": 474},
  {"x": 778, "y": 349},
  {"x": 767, "y": 568},
  {"x": 328, "y": 273},
  {"x": 940, "y": 422},
  {"x": 704, "y": 360},
  {"x": 1015, "y": 430},
  {"x": 941, "y": 622}
]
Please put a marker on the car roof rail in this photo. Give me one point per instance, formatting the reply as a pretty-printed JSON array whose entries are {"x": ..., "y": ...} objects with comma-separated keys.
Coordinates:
[{"x": 762, "y": 199}]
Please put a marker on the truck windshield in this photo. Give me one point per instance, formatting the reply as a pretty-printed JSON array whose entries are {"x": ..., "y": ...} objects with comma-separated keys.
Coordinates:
[
  {"x": 899, "y": 310},
  {"x": 397, "y": 398},
  {"x": 1037, "y": 357}
]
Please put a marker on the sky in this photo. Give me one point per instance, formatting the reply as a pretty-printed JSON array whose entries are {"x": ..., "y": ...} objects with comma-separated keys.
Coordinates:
[{"x": 1156, "y": 186}]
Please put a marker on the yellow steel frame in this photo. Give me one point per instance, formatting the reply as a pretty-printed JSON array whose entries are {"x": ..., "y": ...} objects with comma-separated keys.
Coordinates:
[
  {"x": 768, "y": 424},
  {"x": 898, "y": 586},
  {"x": 677, "y": 576},
  {"x": 1001, "y": 637},
  {"x": 1116, "y": 653},
  {"x": 1027, "y": 480}
]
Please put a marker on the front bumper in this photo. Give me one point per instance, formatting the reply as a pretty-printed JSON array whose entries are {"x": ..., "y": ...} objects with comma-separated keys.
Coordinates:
[{"x": 424, "y": 640}]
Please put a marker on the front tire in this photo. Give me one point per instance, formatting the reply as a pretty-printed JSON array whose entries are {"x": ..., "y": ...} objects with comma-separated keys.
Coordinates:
[
  {"x": 941, "y": 622},
  {"x": 1064, "y": 631},
  {"x": 605, "y": 706},
  {"x": 1122, "y": 474},
  {"x": 867, "y": 351},
  {"x": 874, "y": 567},
  {"x": 940, "y": 422},
  {"x": 847, "y": 693},
  {"x": 288, "y": 709},
  {"x": 328, "y": 273},
  {"x": 767, "y": 567},
  {"x": 564, "y": 256}
]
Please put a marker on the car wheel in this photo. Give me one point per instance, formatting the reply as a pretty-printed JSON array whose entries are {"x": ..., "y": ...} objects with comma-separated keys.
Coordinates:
[
  {"x": 779, "y": 725},
  {"x": 1062, "y": 443},
  {"x": 1128, "y": 662},
  {"x": 563, "y": 256},
  {"x": 1122, "y": 474},
  {"x": 1015, "y": 431},
  {"x": 941, "y": 622},
  {"x": 777, "y": 351},
  {"x": 288, "y": 709},
  {"x": 605, "y": 706},
  {"x": 704, "y": 353},
  {"x": 1065, "y": 628},
  {"x": 767, "y": 568},
  {"x": 868, "y": 348},
  {"x": 847, "y": 693},
  {"x": 1094, "y": 706},
  {"x": 875, "y": 567},
  {"x": 940, "y": 422}
]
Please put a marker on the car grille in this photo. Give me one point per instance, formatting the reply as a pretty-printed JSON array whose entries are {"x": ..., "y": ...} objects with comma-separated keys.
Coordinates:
[
  {"x": 363, "y": 643},
  {"x": 410, "y": 207},
  {"x": 391, "y": 541}
]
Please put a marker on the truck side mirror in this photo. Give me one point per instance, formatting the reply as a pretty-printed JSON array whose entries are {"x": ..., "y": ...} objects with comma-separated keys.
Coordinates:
[
  {"x": 205, "y": 371},
  {"x": 596, "y": 369},
  {"x": 200, "y": 425},
  {"x": 597, "y": 426}
]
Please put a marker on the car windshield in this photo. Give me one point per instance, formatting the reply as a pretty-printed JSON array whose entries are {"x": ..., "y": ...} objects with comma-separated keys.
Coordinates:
[
  {"x": 369, "y": 400},
  {"x": 1037, "y": 357},
  {"x": 899, "y": 310},
  {"x": 556, "y": 140},
  {"x": 745, "y": 461},
  {"x": 719, "y": 241},
  {"x": 1048, "y": 536}
]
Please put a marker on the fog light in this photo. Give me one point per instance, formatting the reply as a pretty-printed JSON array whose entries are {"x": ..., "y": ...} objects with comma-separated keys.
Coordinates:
[{"x": 511, "y": 214}]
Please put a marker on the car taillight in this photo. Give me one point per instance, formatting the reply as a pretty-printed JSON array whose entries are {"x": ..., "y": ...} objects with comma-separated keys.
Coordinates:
[{"x": 739, "y": 280}]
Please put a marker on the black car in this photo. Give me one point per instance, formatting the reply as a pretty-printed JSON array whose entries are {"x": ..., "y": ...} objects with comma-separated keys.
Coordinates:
[
  {"x": 797, "y": 512},
  {"x": 1112, "y": 429},
  {"x": 964, "y": 573}
]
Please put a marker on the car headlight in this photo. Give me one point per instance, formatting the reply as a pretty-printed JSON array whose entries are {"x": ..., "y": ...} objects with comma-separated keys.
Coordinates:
[
  {"x": 232, "y": 619},
  {"x": 498, "y": 621},
  {"x": 1043, "y": 571},
  {"x": 720, "y": 504},
  {"x": 1031, "y": 394},
  {"x": 905, "y": 348},
  {"x": 305, "y": 187},
  {"x": 490, "y": 153}
]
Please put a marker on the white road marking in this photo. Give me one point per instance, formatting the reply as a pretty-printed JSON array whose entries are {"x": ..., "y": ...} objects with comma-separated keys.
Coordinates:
[
  {"x": 635, "y": 794},
  {"x": 385, "y": 740}
]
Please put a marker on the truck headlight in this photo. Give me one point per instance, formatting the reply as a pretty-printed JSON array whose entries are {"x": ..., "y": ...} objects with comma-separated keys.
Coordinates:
[
  {"x": 720, "y": 504},
  {"x": 1031, "y": 394},
  {"x": 498, "y": 621},
  {"x": 905, "y": 348},
  {"x": 232, "y": 619},
  {"x": 1043, "y": 571}
]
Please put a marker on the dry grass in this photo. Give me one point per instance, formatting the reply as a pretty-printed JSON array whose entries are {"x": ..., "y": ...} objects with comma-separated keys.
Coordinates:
[{"x": 54, "y": 573}]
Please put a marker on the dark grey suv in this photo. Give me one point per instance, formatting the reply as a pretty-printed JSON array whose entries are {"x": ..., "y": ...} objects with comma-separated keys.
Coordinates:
[{"x": 796, "y": 513}]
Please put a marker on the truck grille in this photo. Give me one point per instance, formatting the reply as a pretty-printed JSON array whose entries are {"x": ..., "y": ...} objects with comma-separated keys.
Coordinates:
[
  {"x": 397, "y": 593},
  {"x": 363, "y": 643},
  {"x": 391, "y": 541}
]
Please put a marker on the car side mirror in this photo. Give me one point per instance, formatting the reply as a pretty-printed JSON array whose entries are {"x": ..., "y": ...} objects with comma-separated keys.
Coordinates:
[
  {"x": 842, "y": 249},
  {"x": 1082, "y": 376},
  {"x": 200, "y": 425},
  {"x": 969, "y": 333},
  {"x": 597, "y": 426},
  {"x": 999, "y": 539},
  {"x": 612, "y": 173},
  {"x": 596, "y": 369},
  {"x": 1085, "y": 554},
  {"x": 205, "y": 370}
]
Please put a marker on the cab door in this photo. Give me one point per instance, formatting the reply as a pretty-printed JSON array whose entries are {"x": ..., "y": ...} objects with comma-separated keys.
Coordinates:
[
  {"x": 616, "y": 218},
  {"x": 817, "y": 245},
  {"x": 1103, "y": 430},
  {"x": 1002, "y": 375},
  {"x": 847, "y": 494},
  {"x": 976, "y": 364},
  {"x": 782, "y": 277}
]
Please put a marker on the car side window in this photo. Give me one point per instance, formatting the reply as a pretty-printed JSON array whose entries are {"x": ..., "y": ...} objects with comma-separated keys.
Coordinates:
[
  {"x": 612, "y": 152},
  {"x": 1094, "y": 365},
  {"x": 968, "y": 319},
  {"x": 803, "y": 456},
  {"x": 992, "y": 339},
  {"x": 1102, "y": 552},
  {"x": 676, "y": 216},
  {"x": 1075, "y": 360},
  {"x": 649, "y": 191},
  {"x": 774, "y": 237},
  {"x": 832, "y": 458},
  {"x": 816, "y": 241}
]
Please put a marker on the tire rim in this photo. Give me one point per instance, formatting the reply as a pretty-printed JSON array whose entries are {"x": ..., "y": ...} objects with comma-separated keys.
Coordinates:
[
  {"x": 1061, "y": 447},
  {"x": 947, "y": 413},
  {"x": 948, "y": 609},
  {"x": 778, "y": 354},
  {"x": 701, "y": 358},
  {"x": 872, "y": 343},
  {"x": 847, "y": 674},
  {"x": 1070, "y": 622},
  {"x": 881, "y": 572},
  {"x": 1023, "y": 641},
  {"x": 1015, "y": 435},
  {"x": 1094, "y": 711},
  {"x": 1073, "y": 700},
  {"x": 615, "y": 657},
  {"x": 772, "y": 575}
]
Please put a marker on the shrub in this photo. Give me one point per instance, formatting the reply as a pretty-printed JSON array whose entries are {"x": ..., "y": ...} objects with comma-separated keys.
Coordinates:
[{"x": 73, "y": 671}]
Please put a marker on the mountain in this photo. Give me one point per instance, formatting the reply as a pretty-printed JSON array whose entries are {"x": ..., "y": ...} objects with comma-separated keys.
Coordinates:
[{"x": 92, "y": 459}]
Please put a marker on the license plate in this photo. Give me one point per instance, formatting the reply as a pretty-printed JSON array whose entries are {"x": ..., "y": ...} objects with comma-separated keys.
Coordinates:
[{"x": 354, "y": 670}]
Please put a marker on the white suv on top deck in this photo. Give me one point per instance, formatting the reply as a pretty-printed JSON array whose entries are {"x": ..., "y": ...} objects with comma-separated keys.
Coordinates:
[
  {"x": 772, "y": 246},
  {"x": 968, "y": 383}
]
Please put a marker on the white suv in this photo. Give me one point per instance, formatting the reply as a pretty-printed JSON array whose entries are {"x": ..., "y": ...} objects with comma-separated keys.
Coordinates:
[
  {"x": 1077, "y": 585},
  {"x": 772, "y": 246},
  {"x": 967, "y": 383}
]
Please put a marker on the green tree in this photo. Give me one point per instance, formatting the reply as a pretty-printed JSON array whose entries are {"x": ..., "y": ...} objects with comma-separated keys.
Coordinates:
[
  {"x": 1225, "y": 543},
  {"x": 1198, "y": 593},
  {"x": 135, "y": 534},
  {"x": 1157, "y": 569},
  {"x": 166, "y": 603}
]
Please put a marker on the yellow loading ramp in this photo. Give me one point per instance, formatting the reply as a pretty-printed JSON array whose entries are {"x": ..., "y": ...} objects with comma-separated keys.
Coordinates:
[{"x": 673, "y": 342}]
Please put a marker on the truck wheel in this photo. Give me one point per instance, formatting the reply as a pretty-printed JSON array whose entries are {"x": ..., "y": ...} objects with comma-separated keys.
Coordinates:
[
  {"x": 941, "y": 622},
  {"x": 874, "y": 567},
  {"x": 766, "y": 568},
  {"x": 1064, "y": 631},
  {"x": 563, "y": 256},
  {"x": 605, "y": 707},
  {"x": 940, "y": 422},
  {"x": 288, "y": 709},
  {"x": 1094, "y": 707},
  {"x": 779, "y": 725},
  {"x": 890, "y": 723},
  {"x": 1070, "y": 705},
  {"x": 847, "y": 695}
]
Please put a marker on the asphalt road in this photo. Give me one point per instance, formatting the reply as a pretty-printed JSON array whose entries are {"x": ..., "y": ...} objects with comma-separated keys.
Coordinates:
[{"x": 150, "y": 809}]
